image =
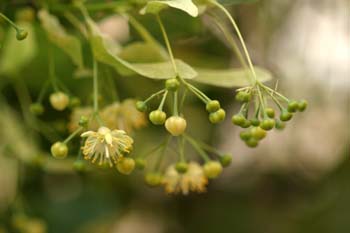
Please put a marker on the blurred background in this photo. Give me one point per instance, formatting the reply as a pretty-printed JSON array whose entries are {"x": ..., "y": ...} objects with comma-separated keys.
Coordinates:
[{"x": 296, "y": 181}]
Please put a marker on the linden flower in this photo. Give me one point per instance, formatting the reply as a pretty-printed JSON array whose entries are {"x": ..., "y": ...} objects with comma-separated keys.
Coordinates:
[
  {"x": 192, "y": 180},
  {"x": 107, "y": 146}
]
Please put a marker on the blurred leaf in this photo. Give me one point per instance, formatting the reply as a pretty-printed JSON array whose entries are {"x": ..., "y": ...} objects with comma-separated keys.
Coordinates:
[
  {"x": 141, "y": 52},
  {"x": 154, "y": 7},
  {"x": 57, "y": 35},
  {"x": 158, "y": 70},
  {"x": 17, "y": 54},
  {"x": 234, "y": 77},
  {"x": 231, "y": 2}
]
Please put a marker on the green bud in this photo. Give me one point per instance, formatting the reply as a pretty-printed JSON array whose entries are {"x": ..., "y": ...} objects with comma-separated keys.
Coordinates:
[
  {"x": 267, "y": 124},
  {"x": 213, "y": 106},
  {"x": 285, "y": 115},
  {"x": 36, "y": 108},
  {"x": 245, "y": 135},
  {"x": 292, "y": 106},
  {"x": 238, "y": 119},
  {"x": 280, "y": 125},
  {"x": 246, "y": 124},
  {"x": 252, "y": 142},
  {"x": 258, "y": 133},
  {"x": 172, "y": 84},
  {"x": 212, "y": 169},
  {"x": 226, "y": 160},
  {"x": 140, "y": 164},
  {"x": 255, "y": 121},
  {"x": 59, "y": 150},
  {"x": 157, "y": 117},
  {"x": 83, "y": 121},
  {"x": 153, "y": 179},
  {"x": 181, "y": 167},
  {"x": 218, "y": 116},
  {"x": 21, "y": 34},
  {"x": 302, "y": 105},
  {"x": 270, "y": 112},
  {"x": 141, "y": 106},
  {"x": 74, "y": 102},
  {"x": 79, "y": 165},
  {"x": 243, "y": 96},
  {"x": 126, "y": 165},
  {"x": 59, "y": 100}
]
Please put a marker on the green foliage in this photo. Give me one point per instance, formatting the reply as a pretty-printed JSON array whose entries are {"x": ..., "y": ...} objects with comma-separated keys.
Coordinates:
[{"x": 154, "y": 7}]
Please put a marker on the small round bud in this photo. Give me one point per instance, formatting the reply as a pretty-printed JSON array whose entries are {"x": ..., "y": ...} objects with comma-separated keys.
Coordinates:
[
  {"x": 285, "y": 115},
  {"x": 83, "y": 121},
  {"x": 292, "y": 106},
  {"x": 153, "y": 179},
  {"x": 218, "y": 116},
  {"x": 157, "y": 117},
  {"x": 172, "y": 84},
  {"x": 74, "y": 102},
  {"x": 252, "y": 142},
  {"x": 246, "y": 124},
  {"x": 21, "y": 34},
  {"x": 245, "y": 135},
  {"x": 59, "y": 150},
  {"x": 212, "y": 169},
  {"x": 270, "y": 112},
  {"x": 302, "y": 105},
  {"x": 140, "y": 164},
  {"x": 181, "y": 167},
  {"x": 255, "y": 121},
  {"x": 258, "y": 133},
  {"x": 59, "y": 100},
  {"x": 79, "y": 165},
  {"x": 126, "y": 165},
  {"x": 280, "y": 125},
  {"x": 176, "y": 125},
  {"x": 225, "y": 160},
  {"x": 243, "y": 96},
  {"x": 238, "y": 119},
  {"x": 267, "y": 124},
  {"x": 141, "y": 106},
  {"x": 212, "y": 106},
  {"x": 36, "y": 108}
]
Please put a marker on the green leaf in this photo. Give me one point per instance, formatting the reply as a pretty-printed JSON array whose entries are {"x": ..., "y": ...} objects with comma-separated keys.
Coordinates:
[
  {"x": 17, "y": 54},
  {"x": 106, "y": 54},
  {"x": 154, "y": 7},
  {"x": 141, "y": 52},
  {"x": 57, "y": 35},
  {"x": 234, "y": 77}
]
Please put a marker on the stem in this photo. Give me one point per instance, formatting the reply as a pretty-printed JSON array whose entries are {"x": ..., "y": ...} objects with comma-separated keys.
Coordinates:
[
  {"x": 181, "y": 150},
  {"x": 154, "y": 95},
  {"x": 70, "y": 137},
  {"x": 163, "y": 101},
  {"x": 161, "y": 155},
  {"x": 43, "y": 91},
  {"x": 176, "y": 112},
  {"x": 233, "y": 22},
  {"x": 206, "y": 146},
  {"x": 274, "y": 92},
  {"x": 166, "y": 39},
  {"x": 76, "y": 23},
  {"x": 52, "y": 70},
  {"x": 9, "y": 21},
  {"x": 197, "y": 148},
  {"x": 95, "y": 85}
]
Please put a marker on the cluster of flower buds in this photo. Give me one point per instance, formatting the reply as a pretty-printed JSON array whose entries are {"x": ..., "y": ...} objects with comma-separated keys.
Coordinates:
[{"x": 264, "y": 117}]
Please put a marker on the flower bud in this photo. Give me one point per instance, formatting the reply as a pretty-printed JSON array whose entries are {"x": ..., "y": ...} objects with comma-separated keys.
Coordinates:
[
  {"x": 225, "y": 160},
  {"x": 79, "y": 165},
  {"x": 218, "y": 116},
  {"x": 36, "y": 108},
  {"x": 255, "y": 121},
  {"x": 21, "y": 34},
  {"x": 176, "y": 125},
  {"x": 74, "y": 102},
  {"x": 59, "y": 150},
  {"x": 243, "y": 96},
  {"x": 59, "y": 100},
  {"x": 181, "y": 167},
  {"x": 238, "y": 119},
  {"x": 140, "y": 164},
  {"x": 270, "y": 112},
  {"x": 172, "y": 84},
  {"x": 83, "y": 121},
  {"x": 252, "y": 142},
  {"x": 245, "y": 135},
  {"x": 126, "y": 165},
  {"x": 212, "y": 169},
  {"x": 258, "y": 133},
  {"x": 246, "y": 124},
  {"x": 212, "y": 106},
  {"x": 285, "y": 115},
  {"x": 280, "y": 125},
  {"x": 153, "y": 179},
  {"x": 302, "y": 105},
  {"x": 292, "y": 106},
  {"x": 141, "y": 106},
  {"x": 267, "y": 124},
  {"x": 157, "y": 117}
]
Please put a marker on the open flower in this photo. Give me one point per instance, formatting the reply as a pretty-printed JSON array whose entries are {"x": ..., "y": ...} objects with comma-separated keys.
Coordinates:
[
  {"x": 107, "y": 146},
  {"x": 192, "y": 180}
]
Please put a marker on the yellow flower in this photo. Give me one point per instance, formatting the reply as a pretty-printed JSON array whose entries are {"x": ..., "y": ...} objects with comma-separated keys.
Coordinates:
[
  {"x": 192, "y": 180},
  {"x": 107, "y": 146},
  {"x": 123, "y": 116}
]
